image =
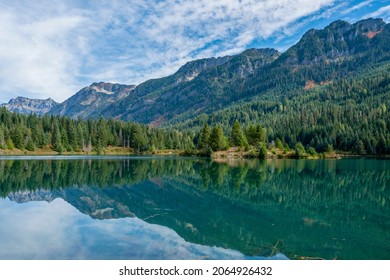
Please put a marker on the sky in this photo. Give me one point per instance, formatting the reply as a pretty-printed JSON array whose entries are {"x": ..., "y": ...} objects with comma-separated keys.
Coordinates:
[{"x": 53, "y": 48}]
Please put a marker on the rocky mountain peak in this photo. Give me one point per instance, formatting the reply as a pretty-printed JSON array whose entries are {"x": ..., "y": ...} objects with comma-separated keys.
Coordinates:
[
  {"x": 192, "y": 69},
  {"x": 338, "y": 40},
  {"x": 266, "y": 52},
  {"x": 339, "y": 25},
  {"x": 26, "y": 105},
  {"x": 89, "y": 100},
  {"x": 369, "y": 25}
]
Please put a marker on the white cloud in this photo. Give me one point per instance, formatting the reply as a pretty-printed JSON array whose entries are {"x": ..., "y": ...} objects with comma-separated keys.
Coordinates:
[
  {"x": 57, "y": 230},
  {"x": 357, "y": 7},
  {"x": 383, "y": 12},
  {"x": 53, "y": 48},
  {"x": 177, "y": 31},
  {"x": 36, "y": 57}
]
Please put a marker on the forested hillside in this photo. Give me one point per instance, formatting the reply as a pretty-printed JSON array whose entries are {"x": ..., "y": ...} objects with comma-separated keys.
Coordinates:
[{"x": 350, "y": 114}]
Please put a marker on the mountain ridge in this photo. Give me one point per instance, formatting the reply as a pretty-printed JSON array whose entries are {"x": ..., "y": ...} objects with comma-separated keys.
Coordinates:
[
  {"x": 26, "y": 105},
  {"x": 207, "y": 85},
  {"x": 90, "y": 100}
]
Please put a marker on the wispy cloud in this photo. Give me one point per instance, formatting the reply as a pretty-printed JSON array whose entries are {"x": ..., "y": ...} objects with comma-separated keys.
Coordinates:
[
  {"x": 39, "y": 55},
  {"x": 357, "y": 7},
  {"x": 383, "y": 12},
  {"x": 53, "y": 48}
]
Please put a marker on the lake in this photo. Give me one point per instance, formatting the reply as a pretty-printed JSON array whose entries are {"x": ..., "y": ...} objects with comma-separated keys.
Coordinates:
[{"x": 192, "y": 208}]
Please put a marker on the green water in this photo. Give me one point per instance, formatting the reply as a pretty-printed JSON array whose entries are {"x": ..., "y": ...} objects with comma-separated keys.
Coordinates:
[{"x": 190, "y": 208}]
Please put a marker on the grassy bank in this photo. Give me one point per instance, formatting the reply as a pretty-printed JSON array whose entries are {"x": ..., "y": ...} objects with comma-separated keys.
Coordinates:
[
  {"x": 231, "y": 153},
  {"x": 274, "y": 154},
  {"x": 48, "y": 151}
]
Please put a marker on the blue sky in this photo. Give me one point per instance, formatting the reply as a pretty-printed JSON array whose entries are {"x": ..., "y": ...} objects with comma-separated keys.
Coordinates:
[{"x": 53, "y": 48}]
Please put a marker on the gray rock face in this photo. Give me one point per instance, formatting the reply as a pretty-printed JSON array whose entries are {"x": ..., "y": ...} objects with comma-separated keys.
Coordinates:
[
  {"x": 91, "y": 100},
  {"x": 25, "y": 105}
]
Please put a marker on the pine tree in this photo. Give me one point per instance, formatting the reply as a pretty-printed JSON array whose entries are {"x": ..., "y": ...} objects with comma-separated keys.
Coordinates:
[
  {"x": 9, "y": 144},
  {"x": 138, "y": 139},
  {"x": 17, "y": 137},
  {"x": 56, "y": 138},
  {"x": 217, "y": 139},
  {"x": 300, "y": 150},
  {"x": 2, "y": 138},
  {"x": 260, "y": 134},
  {"x": 236, "y": 136},
  {"x": 262, "y": 150},
  {"x": 30, "y": 145},
  {"x": 72, "y": 135},
  {"x": 279, "y": 144},
  {"x": 204, "y": 137},
  {"x": 311, "y": 151}
]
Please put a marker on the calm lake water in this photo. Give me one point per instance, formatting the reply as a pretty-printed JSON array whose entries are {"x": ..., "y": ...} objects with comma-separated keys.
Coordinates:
[{"x": 188, "y": 208}]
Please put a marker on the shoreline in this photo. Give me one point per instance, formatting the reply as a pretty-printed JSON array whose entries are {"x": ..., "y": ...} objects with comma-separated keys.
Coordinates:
[
  {"x": 110, "y": 151},
  {"x": 231, "y": 154}
]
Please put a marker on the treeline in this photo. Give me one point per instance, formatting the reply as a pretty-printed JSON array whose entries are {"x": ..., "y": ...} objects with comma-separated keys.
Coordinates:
[
  {"x": 63, "y": 134},
  {"x": 253, "y": 137}
]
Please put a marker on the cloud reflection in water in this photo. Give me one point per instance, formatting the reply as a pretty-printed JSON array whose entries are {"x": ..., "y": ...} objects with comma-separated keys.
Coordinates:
[{"x": 57, "y": 230}]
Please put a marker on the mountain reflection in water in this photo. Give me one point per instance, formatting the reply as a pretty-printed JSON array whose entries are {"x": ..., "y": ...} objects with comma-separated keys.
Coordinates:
[{"x": 176, "y": 208}]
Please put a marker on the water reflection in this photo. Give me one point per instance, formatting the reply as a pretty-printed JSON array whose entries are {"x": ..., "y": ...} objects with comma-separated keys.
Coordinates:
[
  {"x": 320, "y": 209},
  {"x": 58, "y": 231}
]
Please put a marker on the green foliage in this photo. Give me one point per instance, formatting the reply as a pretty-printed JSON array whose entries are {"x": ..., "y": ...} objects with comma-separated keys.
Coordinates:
[
  {"x": 2, "y": 138},
  {"x": 30, "y": 145},
  {"x": 17, "y": 137},
  {"x": 351, "y": 115},
  {"x": 217, "y": 140},
  {"x": 10, "y": 144},
  {"x": 262, "y": 150},
  {"x": 236, "y": 135},
  {"x": 311, "y": 151},
  {"x": 329, "y": 148},
  {"x": 138, "y": 138},
  {"x": 56, "y": 140},
  {"x": 279, "y": 144},
  {"x": 255, "y": 134},
  {"x": 204, "y": 137},
  {"x": 65, "y": 134},
  {"x": 300, "y": 151}
]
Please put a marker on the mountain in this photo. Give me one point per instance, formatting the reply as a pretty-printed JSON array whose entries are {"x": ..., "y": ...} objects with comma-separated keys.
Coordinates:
[
  {"x": 320, "y": 58},
  {"x": 25, "y": 105},
  {"x": 336, "y": 42},
  {"x": 91, "y": 100},
  {"x": 207, "y": 86},
  {"x": 204, "y": 90}
]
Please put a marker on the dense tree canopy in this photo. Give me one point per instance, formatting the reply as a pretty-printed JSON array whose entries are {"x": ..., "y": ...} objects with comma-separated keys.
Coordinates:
[{"x": 63, "y": 134}]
